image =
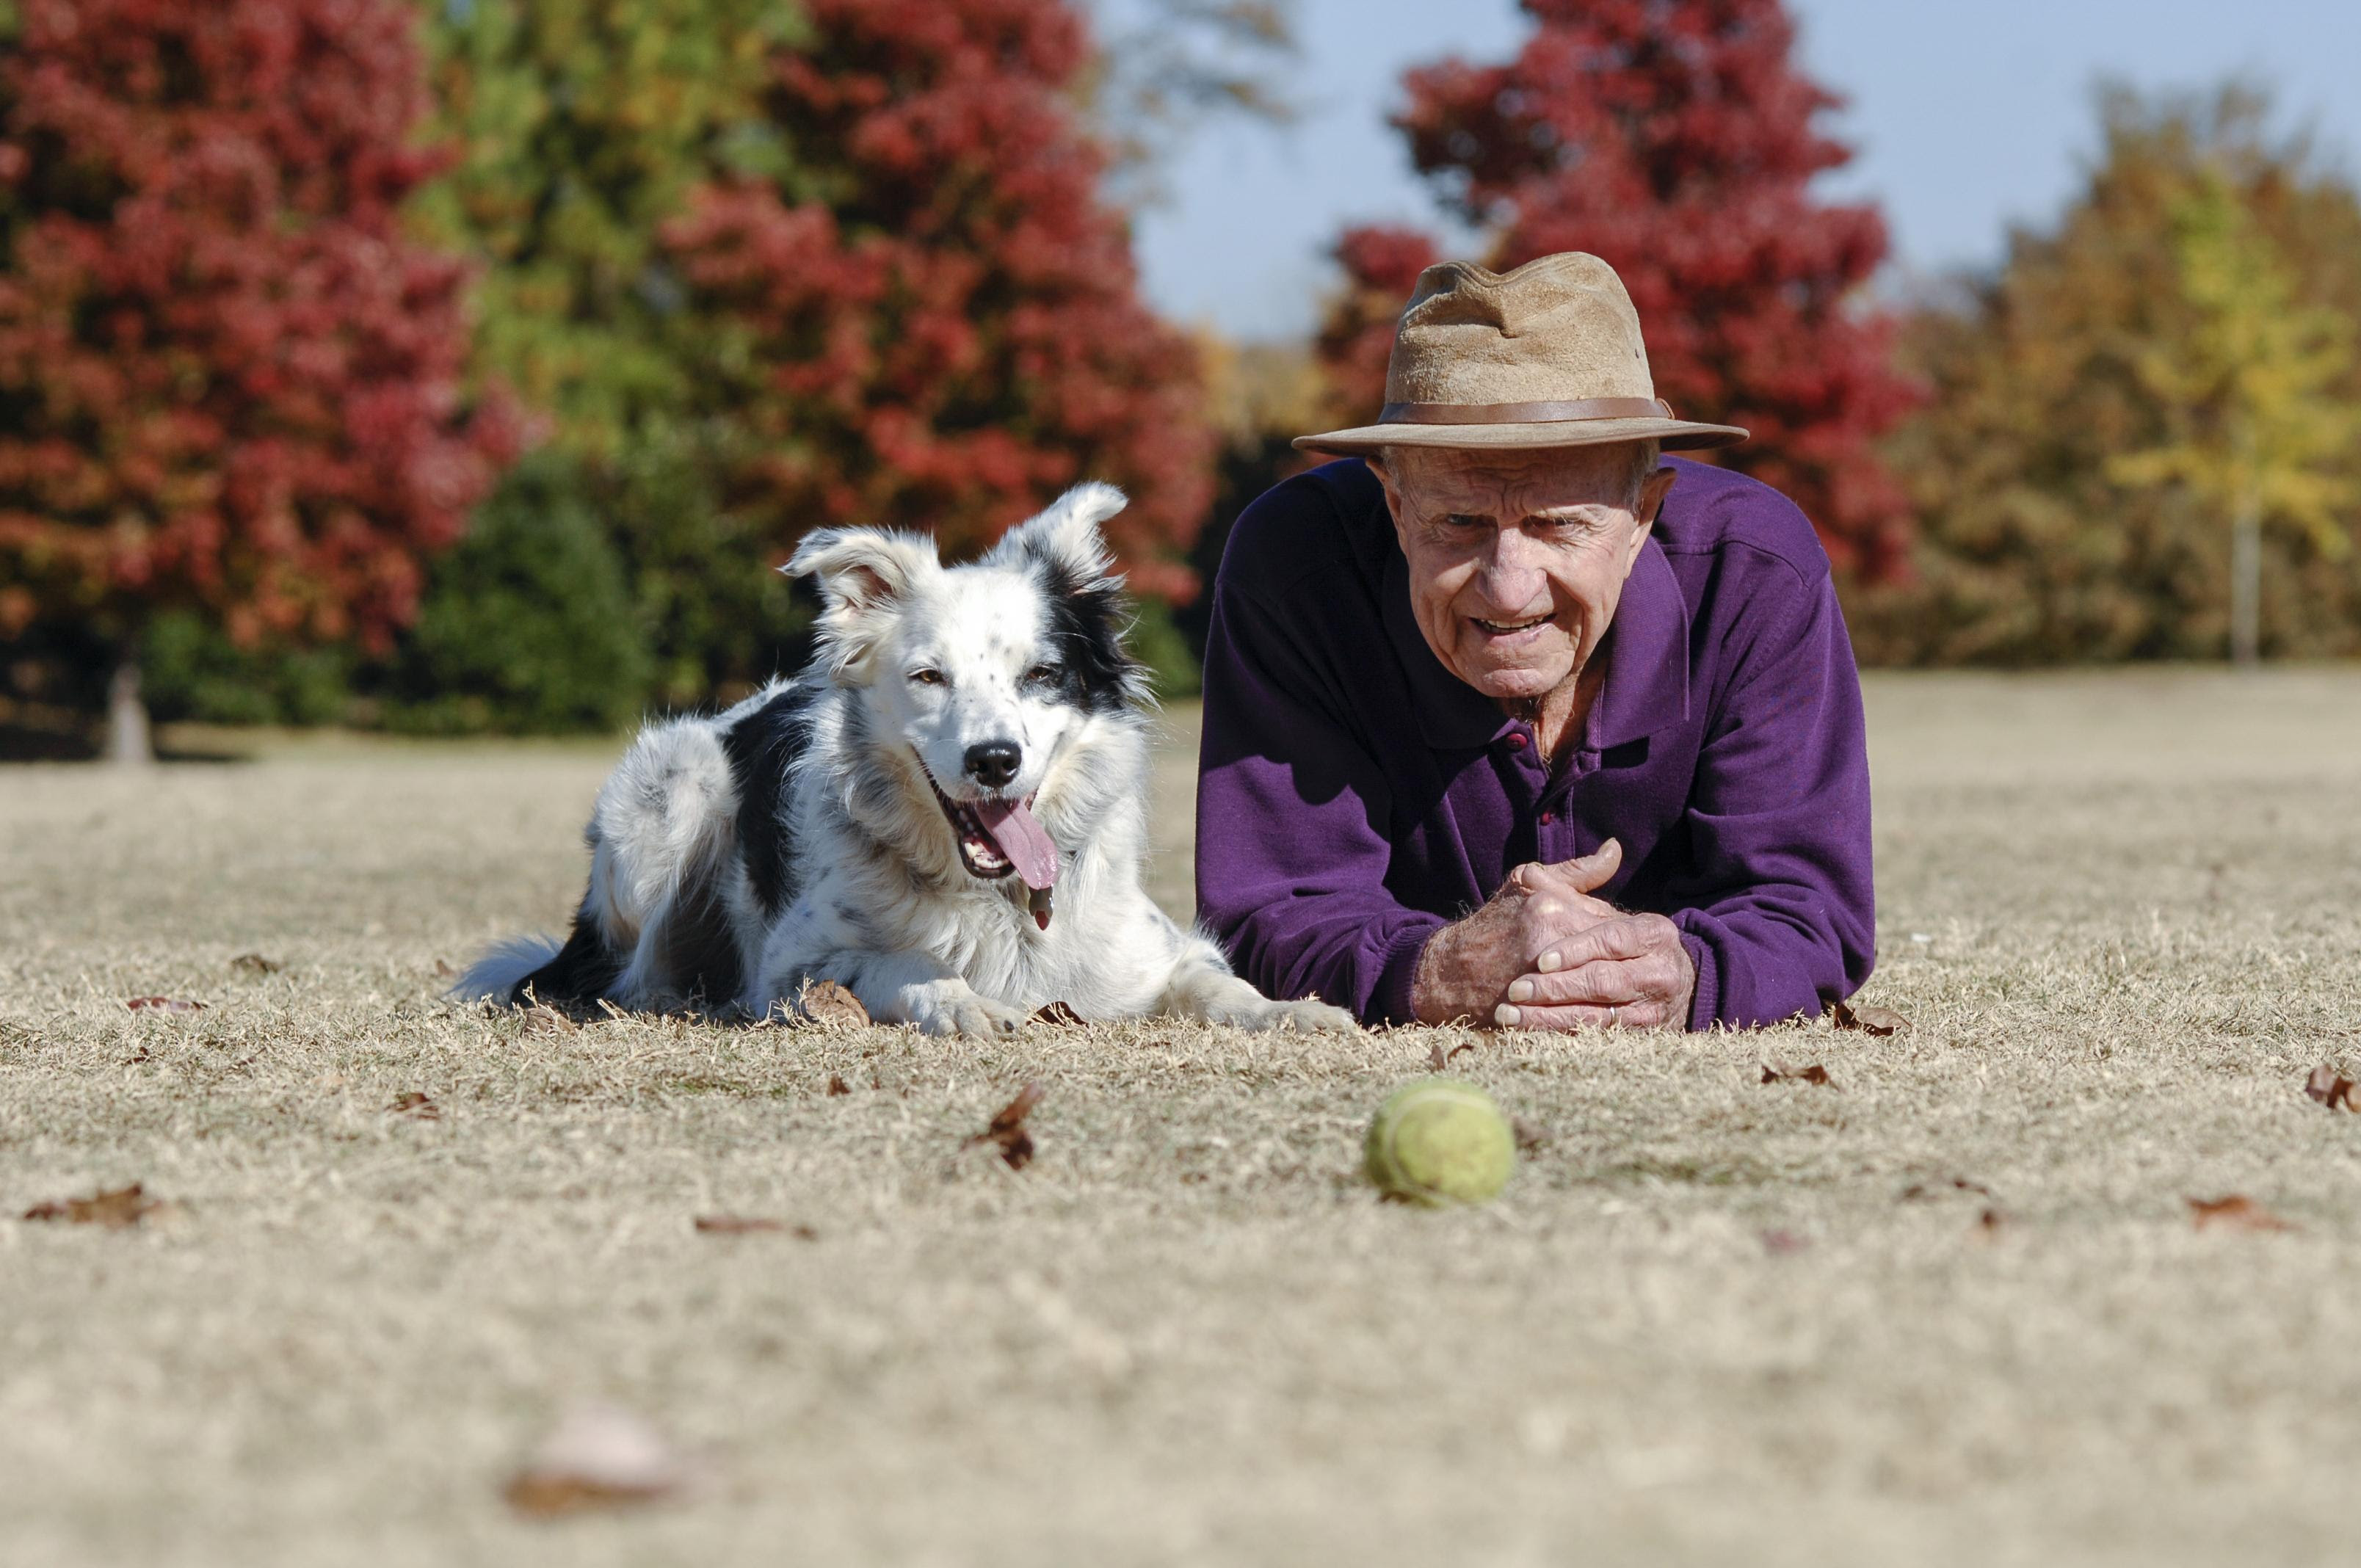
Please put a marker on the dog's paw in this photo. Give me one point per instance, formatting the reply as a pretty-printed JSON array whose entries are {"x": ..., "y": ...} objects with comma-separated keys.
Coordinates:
[
  {"x": 1307, "y": 1017},
  {"x": 976, "y": 1017}
]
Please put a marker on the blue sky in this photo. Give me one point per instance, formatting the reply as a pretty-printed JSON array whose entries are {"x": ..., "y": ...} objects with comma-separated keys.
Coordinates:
[{"x": 1966, "y": 117}]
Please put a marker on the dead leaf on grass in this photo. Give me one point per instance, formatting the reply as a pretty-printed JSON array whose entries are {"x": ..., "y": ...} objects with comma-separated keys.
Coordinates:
[
  {"x": 2236, "y": 1212},
  {"x": 1437, "y": 1059},
  {"x": 2331, "y": 1088},
  {"x": 255, "y": 963},
  {"x": 836, "y": 1085},
  {"x": 1059, "y": 1013},
  {"x": 415, "y": 1104},
  {"x": 598, "y": 1457},
  {"x": 1876, "y": 1021},
  {"x": 442, "y": 970},
  {"x": 830, "y": 1006},
  {"x": 1988, "y": 1225},
  {"x": 163, "y": 1004},
  {"x": 1530, "y": 1136},
  {"x": 1008, "y": 1130},
  {"x": 1779, "y": 1072},
  {"x": 752, "y": 1225},
  {"x": 1920, "y": 1191},
  {"x": 540, "y": 1018},
  {"x": 115, "y": 1208}
]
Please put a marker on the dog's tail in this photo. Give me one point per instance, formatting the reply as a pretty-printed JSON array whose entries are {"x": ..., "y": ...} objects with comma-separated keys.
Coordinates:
[{"x": 494, "y": 976}]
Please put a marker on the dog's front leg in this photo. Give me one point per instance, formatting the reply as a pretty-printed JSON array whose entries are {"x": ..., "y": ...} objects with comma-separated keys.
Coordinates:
[
  {"x": 1202, "y": 986},
  {"x": 919, "y": 989}
]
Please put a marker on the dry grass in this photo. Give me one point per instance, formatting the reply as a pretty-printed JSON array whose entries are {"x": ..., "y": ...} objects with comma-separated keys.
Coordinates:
[{"x": 1705, "y": 1325}]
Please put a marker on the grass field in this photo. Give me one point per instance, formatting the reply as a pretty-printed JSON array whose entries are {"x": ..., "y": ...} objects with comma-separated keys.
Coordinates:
[{"x": 1713, "y": 1319}]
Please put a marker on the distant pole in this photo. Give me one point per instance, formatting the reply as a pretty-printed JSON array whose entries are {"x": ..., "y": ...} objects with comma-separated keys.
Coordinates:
[
  {"x": 2246, "y": 583},
  {"x": 129, "y": 744}
]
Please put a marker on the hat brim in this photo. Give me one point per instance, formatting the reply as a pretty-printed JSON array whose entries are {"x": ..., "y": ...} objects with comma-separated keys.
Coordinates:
[{"x": 1672, "y": 434}]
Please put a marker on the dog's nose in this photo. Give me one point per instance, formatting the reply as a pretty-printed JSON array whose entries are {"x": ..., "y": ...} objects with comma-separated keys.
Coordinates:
[{"x": 995, "y": 762}]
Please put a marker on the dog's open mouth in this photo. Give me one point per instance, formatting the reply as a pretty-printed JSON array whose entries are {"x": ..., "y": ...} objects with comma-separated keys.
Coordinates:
[{"x": 997, "y": 836}]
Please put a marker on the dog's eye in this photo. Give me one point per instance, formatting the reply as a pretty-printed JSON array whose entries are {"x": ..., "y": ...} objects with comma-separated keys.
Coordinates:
[
  {"x": 1043, "y": 675},
  {"x": 928, "y": 678}
]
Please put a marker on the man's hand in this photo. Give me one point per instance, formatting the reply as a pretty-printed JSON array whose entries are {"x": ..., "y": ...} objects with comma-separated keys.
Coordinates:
[
  {"x": 1628, "y": 972},
  {"x": 1468, "y": 966}
]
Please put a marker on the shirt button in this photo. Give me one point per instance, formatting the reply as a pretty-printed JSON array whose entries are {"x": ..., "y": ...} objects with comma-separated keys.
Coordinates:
[
  {"x": 1548, "y": 817},
  {"x": 1516, "y": 740}
]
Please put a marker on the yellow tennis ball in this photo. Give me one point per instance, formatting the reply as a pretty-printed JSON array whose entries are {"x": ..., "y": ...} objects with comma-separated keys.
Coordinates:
[{"x": 1440, "y": 1141}]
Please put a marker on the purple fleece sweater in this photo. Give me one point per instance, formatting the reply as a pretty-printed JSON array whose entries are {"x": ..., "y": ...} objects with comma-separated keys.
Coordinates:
[{"x": 1353, "y": 796}]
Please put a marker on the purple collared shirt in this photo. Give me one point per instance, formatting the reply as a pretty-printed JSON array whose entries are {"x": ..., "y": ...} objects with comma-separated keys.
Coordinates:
[{"x": 1355, "y": 796}]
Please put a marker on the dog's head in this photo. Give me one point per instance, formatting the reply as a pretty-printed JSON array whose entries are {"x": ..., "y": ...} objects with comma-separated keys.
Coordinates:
[{"x": 985, "y": 672}]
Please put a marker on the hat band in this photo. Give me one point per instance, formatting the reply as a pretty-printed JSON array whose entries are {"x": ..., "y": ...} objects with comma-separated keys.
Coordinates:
[{"x": 1525, "y": 414}]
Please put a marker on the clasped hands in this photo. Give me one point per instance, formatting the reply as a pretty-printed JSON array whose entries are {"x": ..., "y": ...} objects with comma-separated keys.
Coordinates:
[{"x": 1545, "y": 954}]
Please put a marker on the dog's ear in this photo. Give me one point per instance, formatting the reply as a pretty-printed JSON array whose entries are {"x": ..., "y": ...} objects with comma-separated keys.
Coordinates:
[
  {"x": 864, "y": 575},
  {"x": 1065, "y": 538}
]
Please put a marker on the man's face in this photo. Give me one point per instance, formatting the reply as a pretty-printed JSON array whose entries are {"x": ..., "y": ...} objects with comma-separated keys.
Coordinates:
[{"x": 1516, "y": 559}]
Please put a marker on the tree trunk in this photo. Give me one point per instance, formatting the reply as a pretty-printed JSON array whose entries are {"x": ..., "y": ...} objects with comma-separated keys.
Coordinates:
[
  {"x": 2247, "y": 585},
  {"x": 129, "y": 744}
]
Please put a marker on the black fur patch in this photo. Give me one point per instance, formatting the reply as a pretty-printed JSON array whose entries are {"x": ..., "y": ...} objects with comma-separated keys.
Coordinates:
[
  {"x": 760, "y": 747},
  {"x": 1086, "y": 628},
  {"x": 581, "y": 972},
  {"x": 697, "y": 948}
]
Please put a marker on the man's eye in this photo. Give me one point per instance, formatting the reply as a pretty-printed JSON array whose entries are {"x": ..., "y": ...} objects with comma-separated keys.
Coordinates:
[
  {"x": 928, "y": 678},
  {"x": 1465, "y": 520}
]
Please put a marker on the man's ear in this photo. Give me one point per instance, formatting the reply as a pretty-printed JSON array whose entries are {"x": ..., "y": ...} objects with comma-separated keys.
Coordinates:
[
  {"x": 864, "y": 575},
  {"x": 1065, "y": 538},
  {"x": 1653, "y": 490},
  {"x": 1377, "y": 465}
]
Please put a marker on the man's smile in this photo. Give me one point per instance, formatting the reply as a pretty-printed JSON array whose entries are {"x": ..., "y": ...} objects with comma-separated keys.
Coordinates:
[{"x": 1501, "y": 629}]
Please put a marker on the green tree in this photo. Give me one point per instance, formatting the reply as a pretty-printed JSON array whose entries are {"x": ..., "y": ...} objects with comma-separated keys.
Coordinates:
[
  {"x": 2037, "y": 544},
  {"x": 2251, "y": 395}
]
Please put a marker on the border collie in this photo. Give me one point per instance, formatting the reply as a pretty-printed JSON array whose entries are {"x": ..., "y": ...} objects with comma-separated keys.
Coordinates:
[{"x": 945, "y": 812}]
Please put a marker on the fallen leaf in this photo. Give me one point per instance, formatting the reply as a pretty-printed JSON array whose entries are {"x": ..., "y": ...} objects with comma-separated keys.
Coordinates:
[
  {"x": 442, "y": 970},
  {"x": 1059, "y": 1013},
  {"x": 415, "y": 1104},
  {"x": 1988, "y": 1223},
  {"x": 830, "y": 1006},
  {"x": 1530, "y": 1136},
  {"x": 255, "y": 963},
  {"x": 1453, "y": 1055},
  {"x": 598, "y": 1457},
  {"x": 1778, "y": 1072},
  {"x": 2237, "y": 1211},
  {"x": 2331, "y": 1088},
  {"x": 836, "y": 1085},
  {"x": 1436, "y": 1058},
  {"x": 1008, "y": 1129},
  {"x": 163, "y": 1004},
  {"x": 750, "y": 1224},
  {"x": 1876, "y": 1021},
  {"x": 116, "y": 1209},
  {"x": 1919, "y": 1191},
  {"x": 540, "y": 1018}
]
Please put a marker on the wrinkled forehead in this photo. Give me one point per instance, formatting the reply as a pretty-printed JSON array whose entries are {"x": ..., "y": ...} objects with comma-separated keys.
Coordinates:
[
  {"x": 987, "y": 614},
  {"x": 1511, "y": 482}
]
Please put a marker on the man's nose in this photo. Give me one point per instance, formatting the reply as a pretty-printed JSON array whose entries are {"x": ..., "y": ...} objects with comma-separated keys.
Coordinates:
[
  {"x": 993, "y": 762},
  {"x": 1509, "y": 576}
]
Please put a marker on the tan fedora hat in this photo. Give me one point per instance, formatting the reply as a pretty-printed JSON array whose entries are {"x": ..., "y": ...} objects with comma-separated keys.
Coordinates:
[{"x": 1549, "y": 354}]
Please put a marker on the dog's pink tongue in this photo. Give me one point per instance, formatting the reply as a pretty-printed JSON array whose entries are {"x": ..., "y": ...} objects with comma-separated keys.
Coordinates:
[{"x": 1020, "y": 838}]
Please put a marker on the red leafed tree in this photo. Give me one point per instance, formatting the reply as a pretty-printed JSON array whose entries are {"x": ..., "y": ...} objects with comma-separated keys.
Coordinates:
[
  {"x": 1676, "y": 139},
  {"x": 932, "y": 320},
  {"x": 226, "y": 381}
]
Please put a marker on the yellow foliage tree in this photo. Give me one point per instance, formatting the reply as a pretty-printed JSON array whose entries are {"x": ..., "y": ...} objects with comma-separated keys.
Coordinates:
[{"x": 2258, "y": 428}]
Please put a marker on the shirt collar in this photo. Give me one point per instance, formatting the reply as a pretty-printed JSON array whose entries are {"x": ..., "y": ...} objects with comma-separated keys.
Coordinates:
[{"x": 1646, "y": 650}]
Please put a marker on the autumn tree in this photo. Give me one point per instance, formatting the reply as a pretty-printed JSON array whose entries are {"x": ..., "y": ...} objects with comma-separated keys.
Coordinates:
[
  {"x": 932, "y": 321},
  {"x": 228, "y": 380},
  {"x": 1678, "y": 140},
  {"x": 2201, "y": 280}
]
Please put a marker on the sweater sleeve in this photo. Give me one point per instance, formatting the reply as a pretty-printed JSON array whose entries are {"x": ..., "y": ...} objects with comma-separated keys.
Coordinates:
[
  {"x": 1779, "y": 912},
  {"x": 1293, "y": 819}
]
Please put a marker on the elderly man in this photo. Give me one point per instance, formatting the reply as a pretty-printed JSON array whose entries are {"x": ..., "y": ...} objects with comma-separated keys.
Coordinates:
[{"x": 1507, "y": 720}]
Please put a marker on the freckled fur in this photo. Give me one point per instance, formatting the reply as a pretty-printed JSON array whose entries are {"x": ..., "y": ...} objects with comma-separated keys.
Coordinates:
[{"x": 1028, "y": 642}]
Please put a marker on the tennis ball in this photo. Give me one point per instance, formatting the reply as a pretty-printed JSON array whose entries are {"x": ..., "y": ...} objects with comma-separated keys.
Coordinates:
[{"x": 1440, "y": 1141}]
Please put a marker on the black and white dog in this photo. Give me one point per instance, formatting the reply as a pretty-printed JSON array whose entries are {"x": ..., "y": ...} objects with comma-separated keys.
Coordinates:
[{"x": 945, "y": 812}]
